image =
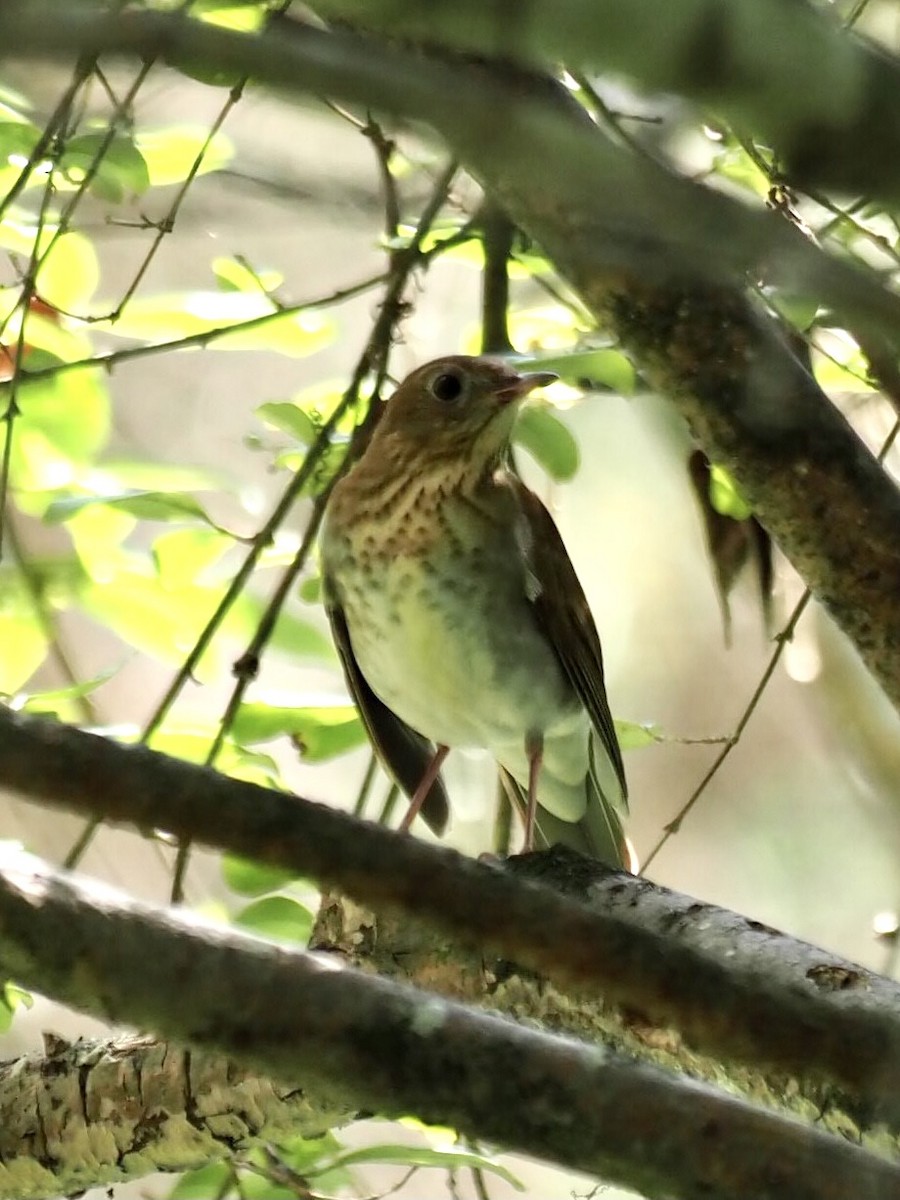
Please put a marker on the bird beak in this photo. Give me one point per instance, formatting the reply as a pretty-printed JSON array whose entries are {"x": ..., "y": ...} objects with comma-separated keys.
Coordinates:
[{"x": 523, "y": 384}]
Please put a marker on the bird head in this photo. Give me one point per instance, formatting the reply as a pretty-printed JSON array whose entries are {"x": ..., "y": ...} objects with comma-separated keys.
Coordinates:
[{"x": 457, "y": 407}]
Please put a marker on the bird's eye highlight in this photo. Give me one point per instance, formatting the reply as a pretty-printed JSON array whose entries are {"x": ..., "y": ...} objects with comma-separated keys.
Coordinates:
[{"x": 446, "y": 387}]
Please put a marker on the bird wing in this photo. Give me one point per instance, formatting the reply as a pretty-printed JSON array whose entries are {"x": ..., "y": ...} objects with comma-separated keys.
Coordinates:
[
  {"x": 404, "y": 753},
  {"x": 562, "y": 611}
]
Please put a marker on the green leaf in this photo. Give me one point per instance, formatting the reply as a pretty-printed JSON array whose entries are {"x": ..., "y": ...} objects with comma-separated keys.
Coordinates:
[
  {"x": 69, "y": 273},
  {"x": 548, "y": 441},
  {"x": 424, "y": 1156},
  {"x": 182, "y": 555},
  {"x": 725, "y": 495},
  {"x": 121, "y": 171},
  {"x": 310, "y": 590},
  {"x": 289, "y": 418},
  {"x": 320, "y": 731},
  {"x": 249, "y": 878},
  {"x": 587, "y": 369},
  {"x": 145, "y": 506},
  {"x": 235, "y": 276},
  {"x": 12, "y": 997},
  {"x": 17, "y": 138},
  {"x": 634, "y": 736},
  {"x": 205, "y": 1182},
  {"x": 44, "y": 333},
  {"x": 24, "y": 649},
  {"x": 170, "y": 154},
  {"x": 172, "y": 316},
  {"x": 277, "y": 917},
  {"x": 161, "y": 622},
  {"x": 55, "y": 701},
  {"x": 292, "y": 633},
  {"x": 65, "y": 421}
]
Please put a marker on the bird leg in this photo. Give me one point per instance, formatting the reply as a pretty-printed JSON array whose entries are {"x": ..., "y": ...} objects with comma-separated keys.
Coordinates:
[
  {"x": 534, "y": 749},
  {"x": 431, "y": 774}
]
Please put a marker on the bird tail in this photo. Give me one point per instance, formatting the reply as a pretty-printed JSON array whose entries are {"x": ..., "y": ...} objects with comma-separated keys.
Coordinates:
[{"x": 599, "y": 833}]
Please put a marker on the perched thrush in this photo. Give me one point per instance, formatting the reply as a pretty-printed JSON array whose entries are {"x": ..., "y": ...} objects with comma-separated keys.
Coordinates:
[{"x": 458, "y": 616}]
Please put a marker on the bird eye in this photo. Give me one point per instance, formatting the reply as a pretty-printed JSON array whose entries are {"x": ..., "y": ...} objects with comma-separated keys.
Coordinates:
[{"x": 446, "y": 387}]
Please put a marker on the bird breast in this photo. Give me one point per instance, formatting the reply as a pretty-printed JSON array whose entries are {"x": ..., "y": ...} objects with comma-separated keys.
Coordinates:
[{"x": 438, "y": 615}]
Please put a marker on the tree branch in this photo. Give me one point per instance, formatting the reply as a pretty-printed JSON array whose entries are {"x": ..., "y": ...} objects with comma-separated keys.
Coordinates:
[
  {"x": 97, "y": 1113},
  {"x": 632, "y": 239},
  {"x": 828, "y": 101},
  {"x": 729, "y": 990},
  {"x": 364, "y": 1042}
]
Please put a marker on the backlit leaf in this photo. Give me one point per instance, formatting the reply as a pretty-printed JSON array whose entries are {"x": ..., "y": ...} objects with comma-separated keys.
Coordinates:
[{"x": 547, "y": 440}]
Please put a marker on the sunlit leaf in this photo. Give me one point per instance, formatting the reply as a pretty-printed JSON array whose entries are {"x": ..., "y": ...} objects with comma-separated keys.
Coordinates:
[
  {"x": 45, "y": 333},
  {"x": 170, "y": 154},
  {"x": 249, "y": 878},
  {"x": 547, "y": 440},
  {"x": 310, "y": 590},
  {"x": 587, "y": 369},
  {"x": 24, "y": 649},
  {"x": 182, "y": 555},
  {"x": 235, "y": 276},
  {"x": 17, "y": 138},
  {"x": 735, "y": 164},
  {"x": 59, "y": 700},
  {"x": 164, "y": 622},
  {"x": 319, "y": 731},
  {"x": 120, "y": 169},
  {"x": 290, "y": 419},
  {"x": 12, "y": 998},
  {"x": 548, "y": 327},
  {"x": 278, "y": 917},
  {"x": 172, "y": 316},
  {"x": 69, "y": 274},
  {"x": 424, "y": 1156},
  {"x": 634, "y": 736},
  {"x": 726, "y": 496},
  {"x": 292, "y": 633},
  {"x": 72, "y": 415},
  {"x": 146, "y": 506},
  {"x": 209, "y": 1180},
  {"x": 98, "y": 535}
]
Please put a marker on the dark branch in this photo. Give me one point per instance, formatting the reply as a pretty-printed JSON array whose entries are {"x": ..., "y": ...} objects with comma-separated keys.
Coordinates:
[
  {"x": 731, "y": 991},
  {"x": 362, "y": 1041}
]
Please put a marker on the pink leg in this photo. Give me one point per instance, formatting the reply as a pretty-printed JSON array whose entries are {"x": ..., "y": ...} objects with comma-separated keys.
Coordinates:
[
  {"x": 534, "y": 748},
  {"x": 431, "y": 774}
]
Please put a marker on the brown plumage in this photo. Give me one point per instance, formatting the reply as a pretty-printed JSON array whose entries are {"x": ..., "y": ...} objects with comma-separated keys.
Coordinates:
[{"x": 458, "y": 616}]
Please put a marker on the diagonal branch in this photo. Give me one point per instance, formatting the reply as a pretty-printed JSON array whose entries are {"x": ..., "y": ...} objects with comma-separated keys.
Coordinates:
[
  {"x": 371, "y": 1044},
  {"x": 828, "y": 101},
  {"x": 731, "y": 992}
]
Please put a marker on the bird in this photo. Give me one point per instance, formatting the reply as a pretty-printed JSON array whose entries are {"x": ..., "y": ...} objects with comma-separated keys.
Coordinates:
[{"x": 459, "y": 618}]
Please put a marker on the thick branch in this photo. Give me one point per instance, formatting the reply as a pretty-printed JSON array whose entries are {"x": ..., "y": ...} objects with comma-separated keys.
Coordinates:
[
  {"x": 632, "y": 239},
  {"x": 365, "y": 1042},
  {"x": 98, "y": 1113},
  {"x": 828, "y": 101},
  {"x": 731, "y": 989}
]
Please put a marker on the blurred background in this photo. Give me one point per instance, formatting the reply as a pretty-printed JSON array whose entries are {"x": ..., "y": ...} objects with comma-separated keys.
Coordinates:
[{"x": 800, "y": 828}]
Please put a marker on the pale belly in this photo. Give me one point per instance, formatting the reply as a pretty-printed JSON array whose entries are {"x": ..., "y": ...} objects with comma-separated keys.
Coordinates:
[{"x": 465, "y": 665}]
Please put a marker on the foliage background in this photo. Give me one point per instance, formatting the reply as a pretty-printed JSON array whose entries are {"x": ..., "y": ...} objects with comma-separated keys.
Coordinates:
[{"x": 800, "y": 829}]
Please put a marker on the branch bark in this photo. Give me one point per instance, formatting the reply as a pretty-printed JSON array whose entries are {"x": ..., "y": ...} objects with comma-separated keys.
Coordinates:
[
  {"x": 91, "y": 1114},
  {"x": 828, "y": 101},
  {"x": 732, "y": 990},
  {"x": 633, "y": 240},
  {"x": 364, "y": 1042}
]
